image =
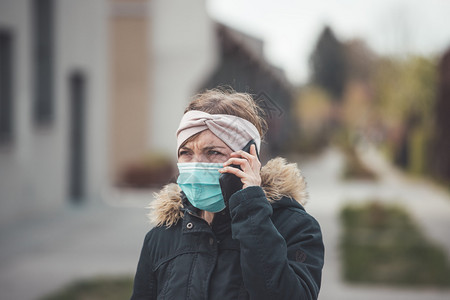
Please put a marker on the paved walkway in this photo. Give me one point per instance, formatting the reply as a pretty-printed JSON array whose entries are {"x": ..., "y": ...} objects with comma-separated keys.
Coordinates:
[
  {"x": 429, "y": 205},
  {"x": 40, "y": 255},
  {"x": 43, "y": 254}
]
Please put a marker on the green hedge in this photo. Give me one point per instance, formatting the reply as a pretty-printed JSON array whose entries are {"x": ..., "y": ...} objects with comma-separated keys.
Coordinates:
[
  {"x": 381, "y": 244},
  {"x": 98, "y": 288}
]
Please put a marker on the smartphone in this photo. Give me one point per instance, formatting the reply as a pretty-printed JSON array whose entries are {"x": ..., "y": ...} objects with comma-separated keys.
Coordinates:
[{"x": 230, "y": 183}]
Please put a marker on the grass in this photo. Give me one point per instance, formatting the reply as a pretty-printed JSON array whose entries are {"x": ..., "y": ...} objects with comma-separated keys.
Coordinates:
[
  {"x": 382, "y": 245},
  {"x": 111, "y": 288}
]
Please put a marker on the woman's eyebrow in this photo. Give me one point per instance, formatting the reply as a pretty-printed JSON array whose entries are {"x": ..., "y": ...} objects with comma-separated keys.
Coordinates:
[{"x": 213, "y": 147}]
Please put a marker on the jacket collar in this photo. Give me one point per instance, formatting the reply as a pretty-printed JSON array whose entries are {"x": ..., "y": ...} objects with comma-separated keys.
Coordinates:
[{"x": 278, "y": 179}]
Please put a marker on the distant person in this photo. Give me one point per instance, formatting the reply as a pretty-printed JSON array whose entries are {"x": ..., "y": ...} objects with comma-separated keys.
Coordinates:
[{"x": 244, "y": 237}]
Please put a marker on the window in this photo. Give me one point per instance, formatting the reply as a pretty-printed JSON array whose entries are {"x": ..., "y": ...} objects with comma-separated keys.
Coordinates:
[
  {"x": 43, "y": 61},
  {"x": 77, "y": 84},
  {"x": 6, "y": 79}
]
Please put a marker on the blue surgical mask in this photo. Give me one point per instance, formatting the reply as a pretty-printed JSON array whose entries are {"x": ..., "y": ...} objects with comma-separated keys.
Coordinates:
[{"x": 200, "y": 183}]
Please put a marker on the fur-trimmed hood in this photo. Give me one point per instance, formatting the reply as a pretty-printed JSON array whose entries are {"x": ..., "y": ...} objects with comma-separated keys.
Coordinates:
[{"x": 278, "y": 179}]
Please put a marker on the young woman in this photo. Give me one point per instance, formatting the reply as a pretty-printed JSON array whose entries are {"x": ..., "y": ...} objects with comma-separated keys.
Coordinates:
[{"x": 257, "y": 244}]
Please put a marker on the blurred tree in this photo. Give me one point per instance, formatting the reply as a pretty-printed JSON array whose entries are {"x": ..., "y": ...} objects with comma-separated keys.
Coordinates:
[
  {"x": 405, "y": 95},
  {"x": 360, "y": 60},
  {"x": 356, "y": 110},
  {"x": 313, "y": 112},
  {"x": 328, "y": 65},
  {"x": 441, "y": 142}
]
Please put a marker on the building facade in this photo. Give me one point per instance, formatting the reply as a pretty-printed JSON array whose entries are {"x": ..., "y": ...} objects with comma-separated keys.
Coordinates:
[
  {"x": 88, "y": 87},
  {"x": 53, "y": 122}
]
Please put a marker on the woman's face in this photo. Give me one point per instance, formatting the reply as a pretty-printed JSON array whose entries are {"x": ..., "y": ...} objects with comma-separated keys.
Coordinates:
[{"x": 206, "y": 147}]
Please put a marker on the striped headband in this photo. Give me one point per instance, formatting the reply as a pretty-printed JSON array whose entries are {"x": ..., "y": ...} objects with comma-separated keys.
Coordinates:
[{"x": 234, "y": 131}]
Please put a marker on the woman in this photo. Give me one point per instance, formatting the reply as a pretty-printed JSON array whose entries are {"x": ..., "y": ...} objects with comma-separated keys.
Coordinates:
[{"x": 258, "y": 244}]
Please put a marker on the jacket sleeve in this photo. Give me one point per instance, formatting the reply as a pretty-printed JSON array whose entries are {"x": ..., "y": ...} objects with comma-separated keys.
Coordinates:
[
  {"x": 274, "y": 267},
  {"x": 144, "y": 286}
]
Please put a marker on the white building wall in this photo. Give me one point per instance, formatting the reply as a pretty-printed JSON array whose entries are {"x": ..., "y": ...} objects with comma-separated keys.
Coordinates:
[
  {"x": 34, "y": 173},
  {"x": 34, "y": 168},
  {"x": 16, "y": 185},
  {"x": 82, "y": 45},
  {"x": 184, "y": 53}
]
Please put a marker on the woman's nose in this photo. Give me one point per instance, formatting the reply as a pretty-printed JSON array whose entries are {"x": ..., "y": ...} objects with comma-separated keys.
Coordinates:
[{"x": 200, "y": 157}]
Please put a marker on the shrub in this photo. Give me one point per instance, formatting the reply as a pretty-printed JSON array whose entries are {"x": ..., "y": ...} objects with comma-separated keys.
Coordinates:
[
  {"x": 382, "y": 245},
  {"x": 98, "y": 288},
  {"x": 154, "y": 170}
]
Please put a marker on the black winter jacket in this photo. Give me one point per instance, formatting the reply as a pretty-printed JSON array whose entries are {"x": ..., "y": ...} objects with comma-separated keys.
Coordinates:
[{"x": 263, "y": 246}]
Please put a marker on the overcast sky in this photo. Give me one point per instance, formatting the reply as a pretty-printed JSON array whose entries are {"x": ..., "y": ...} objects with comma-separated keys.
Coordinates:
[{"x": 290, "y": 27}]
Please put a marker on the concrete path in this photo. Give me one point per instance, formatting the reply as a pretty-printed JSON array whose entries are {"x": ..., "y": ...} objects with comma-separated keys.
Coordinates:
[
  {"x": 104, "y": 237},
  {"x": 429, "y": 205},
  {"x": 43, "y": 254}
]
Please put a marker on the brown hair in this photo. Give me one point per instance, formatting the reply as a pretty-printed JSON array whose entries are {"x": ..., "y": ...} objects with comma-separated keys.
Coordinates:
[{"x": 228, "y": 101}]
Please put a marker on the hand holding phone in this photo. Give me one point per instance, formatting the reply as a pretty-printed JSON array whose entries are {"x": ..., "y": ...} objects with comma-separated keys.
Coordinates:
[{"x": 230, "y": 183}]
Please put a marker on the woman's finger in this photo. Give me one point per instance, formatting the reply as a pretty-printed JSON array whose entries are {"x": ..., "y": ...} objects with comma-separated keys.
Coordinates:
[
  {"x": 241, "y": 153},
  {"x": 253, "y": 150},
  {"x": 234, "y": 171},
  {"x": 245, "y": 155},
  {"x": 236, "y": 161},
  {"x": 249, "y": 164}
]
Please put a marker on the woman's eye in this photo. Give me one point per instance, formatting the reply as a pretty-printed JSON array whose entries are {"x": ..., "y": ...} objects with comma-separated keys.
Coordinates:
[
  {"x": 212, "y": 152},
  {"x": 182, "y": 153}
]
